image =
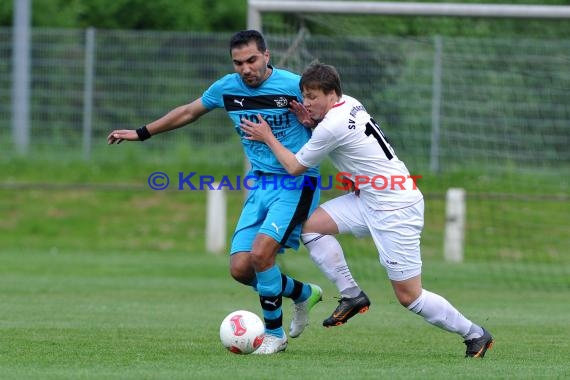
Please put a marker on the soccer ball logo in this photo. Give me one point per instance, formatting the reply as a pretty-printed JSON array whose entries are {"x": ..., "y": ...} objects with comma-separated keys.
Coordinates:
[{"x": 242, "y": 332}]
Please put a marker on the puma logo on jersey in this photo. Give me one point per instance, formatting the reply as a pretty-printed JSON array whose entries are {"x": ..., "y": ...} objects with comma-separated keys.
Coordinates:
[
  {"x": 274, "y": 225},
  {"x": 240, "y": 102}
]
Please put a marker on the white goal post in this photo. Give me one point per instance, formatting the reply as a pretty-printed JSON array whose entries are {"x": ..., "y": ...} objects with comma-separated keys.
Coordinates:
[{"x": 257, "y": 7}]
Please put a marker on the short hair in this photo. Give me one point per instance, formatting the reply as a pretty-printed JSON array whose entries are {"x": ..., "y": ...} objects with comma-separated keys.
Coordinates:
[
  {"x": 321, "y": 77},
  {"x": 244, "y": 37}
]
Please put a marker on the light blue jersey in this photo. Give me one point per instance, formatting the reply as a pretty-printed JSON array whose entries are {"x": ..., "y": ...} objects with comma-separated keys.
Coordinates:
[{"x": 272, "y": 100}]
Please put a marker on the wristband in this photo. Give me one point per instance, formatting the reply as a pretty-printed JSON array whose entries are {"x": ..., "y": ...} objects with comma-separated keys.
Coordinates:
[{"x": 143, "y": 133}]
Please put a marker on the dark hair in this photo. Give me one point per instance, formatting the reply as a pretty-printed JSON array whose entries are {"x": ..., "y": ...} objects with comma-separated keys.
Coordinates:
[
  {"x": 244, "y": 37},
  {"x": 321, "y": 77}
]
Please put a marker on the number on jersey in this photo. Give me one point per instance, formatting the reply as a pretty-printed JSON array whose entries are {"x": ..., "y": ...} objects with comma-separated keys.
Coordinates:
[{"x": 373, "y": 129}]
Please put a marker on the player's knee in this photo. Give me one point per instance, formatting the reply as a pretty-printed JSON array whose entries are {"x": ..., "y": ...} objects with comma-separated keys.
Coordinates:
[
  {"x": 408, "y": 291},
  {"x": 263, "y": 253},
  {"x": 241, "y": 269},
  {"x": 406, "y": 298},
  {"x": 243, "y": 275},
  {"x": 261, "y": 260}
]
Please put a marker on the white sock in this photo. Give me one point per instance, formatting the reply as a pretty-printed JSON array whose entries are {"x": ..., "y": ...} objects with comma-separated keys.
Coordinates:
[
  {"x": 475, "y": 331},
  {"x": 439, "y": 312},
  {"x": 328, "y": 255}
]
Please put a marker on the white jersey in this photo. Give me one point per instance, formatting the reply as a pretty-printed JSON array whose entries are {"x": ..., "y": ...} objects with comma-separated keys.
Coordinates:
[{"x": 360, "y": 151}]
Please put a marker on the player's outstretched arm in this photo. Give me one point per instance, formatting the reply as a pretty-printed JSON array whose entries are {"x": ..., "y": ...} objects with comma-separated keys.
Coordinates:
[
  {"x": 176, "y": 118},
  {"x": 262, "y": 132}
]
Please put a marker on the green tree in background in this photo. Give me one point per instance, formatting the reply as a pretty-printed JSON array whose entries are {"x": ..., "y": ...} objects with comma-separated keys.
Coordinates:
[
  {"x": 178, "y": 15},
  {"x": 230, "y": 15}
]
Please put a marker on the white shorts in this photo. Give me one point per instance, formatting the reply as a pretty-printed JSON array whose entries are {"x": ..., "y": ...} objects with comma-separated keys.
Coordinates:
[{"x": 396, "y": 233}]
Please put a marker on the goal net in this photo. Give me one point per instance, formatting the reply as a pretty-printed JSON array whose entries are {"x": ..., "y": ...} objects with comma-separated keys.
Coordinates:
[{"x": 489, "y": 114}]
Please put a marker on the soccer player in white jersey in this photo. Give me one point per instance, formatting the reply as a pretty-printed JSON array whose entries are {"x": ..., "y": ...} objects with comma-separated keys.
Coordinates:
[{"x": 386, "y": 204}]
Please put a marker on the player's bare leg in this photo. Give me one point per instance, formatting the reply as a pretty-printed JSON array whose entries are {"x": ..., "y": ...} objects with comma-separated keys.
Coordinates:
[
  {"x": 241, "y": 268},
  {"x": 439, "y": 312}
]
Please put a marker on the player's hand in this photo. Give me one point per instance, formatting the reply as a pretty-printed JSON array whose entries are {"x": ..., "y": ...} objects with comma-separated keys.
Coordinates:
[
  {"x": 119, "y": 135},
  {"x": 260, "y": 131},
  {"x": 302, "y": 114},
  {"x": 352, "y": 187}
]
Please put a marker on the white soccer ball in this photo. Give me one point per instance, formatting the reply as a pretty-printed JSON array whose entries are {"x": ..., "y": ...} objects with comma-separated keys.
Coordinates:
[{"x": 242, "y": 332}]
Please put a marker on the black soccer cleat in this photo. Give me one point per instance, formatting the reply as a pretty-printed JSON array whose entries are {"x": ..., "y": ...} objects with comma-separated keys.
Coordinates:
[
  {"x": 346, "y": 309},
  {"x": 477, "y": 347}
]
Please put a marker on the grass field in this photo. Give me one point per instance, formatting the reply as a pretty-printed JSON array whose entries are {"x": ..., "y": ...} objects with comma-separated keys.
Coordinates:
[
  {"x": 101, "y": 277},
  {"x": 151, "y": 315}
]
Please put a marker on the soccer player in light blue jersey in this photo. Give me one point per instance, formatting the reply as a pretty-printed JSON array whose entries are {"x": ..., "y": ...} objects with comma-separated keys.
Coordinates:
[{"x": 272, "y": 214}]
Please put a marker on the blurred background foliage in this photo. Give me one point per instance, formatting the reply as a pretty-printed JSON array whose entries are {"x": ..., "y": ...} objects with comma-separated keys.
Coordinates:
[
  {"x": 178, "y": 15},
  {"x": 231, "y": 15}
]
